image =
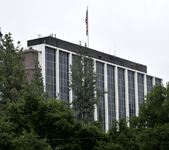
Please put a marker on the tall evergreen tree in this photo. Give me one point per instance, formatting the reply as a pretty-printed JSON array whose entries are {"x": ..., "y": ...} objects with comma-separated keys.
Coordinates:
[
  {"x": 37, "y": 79},
  {"x": 100, "y": 115},
  {"x": 12, "y": 71},
  {"x": 84, "y": 85}
]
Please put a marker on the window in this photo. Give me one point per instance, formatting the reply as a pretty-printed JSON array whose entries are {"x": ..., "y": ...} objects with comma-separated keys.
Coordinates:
[
  {"x": 121, "y": 93},
  {"x": 157, "y": 81},
  {"x": 50, "y": 70},
  {"x": 131, "y": 91},
  {"x": 64, "y": 75},
  {"x": 140, "y": 78},
  {"x": 111, "y": 95},
  {"x": 149, "y": 84},
  {"x": 100, "y": 85}
]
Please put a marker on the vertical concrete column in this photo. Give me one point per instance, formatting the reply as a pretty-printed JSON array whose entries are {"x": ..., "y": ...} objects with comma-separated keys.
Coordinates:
[
  {"x": 145, "y": 85},
  {"x": 106, "y": 97},
  {"x": 154, "y": 81},
  {"x": 95, "y": 106},
  {"x": 116, "y": 91},
  {"x": 70, "y": 92},
  {"x": 57, "y": 71},
  {"x": 136, "y": 92},
  {"x": 126, "y": 93}
]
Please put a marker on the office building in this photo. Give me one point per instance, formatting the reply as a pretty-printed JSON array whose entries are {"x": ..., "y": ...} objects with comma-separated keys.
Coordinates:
[{"x": 126, "y": 81}]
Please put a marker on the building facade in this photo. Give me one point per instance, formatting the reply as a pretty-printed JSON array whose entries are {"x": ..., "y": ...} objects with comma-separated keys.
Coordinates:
[{"x": 127, "y": 82}]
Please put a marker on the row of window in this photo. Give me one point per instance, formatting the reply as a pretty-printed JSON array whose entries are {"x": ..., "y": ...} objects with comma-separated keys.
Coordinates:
[
  {"x": 64, "y": 85},
  {"x": 100, "y": 85},
  {"x": 111, "y": 95},
  {"x": 50, "y": 70}
]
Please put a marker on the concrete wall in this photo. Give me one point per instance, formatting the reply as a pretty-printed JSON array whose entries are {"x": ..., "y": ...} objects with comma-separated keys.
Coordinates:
[{"x": 30, "y": 56}]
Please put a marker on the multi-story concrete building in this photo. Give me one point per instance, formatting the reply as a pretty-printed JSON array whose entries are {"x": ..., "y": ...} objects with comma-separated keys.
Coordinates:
[{"x": 126, "y": 81}]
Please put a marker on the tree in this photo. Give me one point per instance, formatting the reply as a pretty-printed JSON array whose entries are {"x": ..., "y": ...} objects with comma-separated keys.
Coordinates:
[
  {"x": 155, "y": 109},
  {"x": 47, "y": 118},
  {"x": 100, "y": 115},
  {"x": 37, "y": 79},
  {"x": 89, "y": 136},
  {"x": 83, "y": 82},
  {"x": 6, "y": 132},
  {"x": 123, "y": 135},
  {"x": 24, "y": 140},
  {"x": 152, "y": 124},
  {"x": 12, "y": 71},
  {"x": 154, "y": 138},
  {"x": 107, "y": 146}
]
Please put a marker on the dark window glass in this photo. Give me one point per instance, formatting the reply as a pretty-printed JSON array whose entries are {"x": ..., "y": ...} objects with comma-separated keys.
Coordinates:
[
  {"x": 149, "y": 84},
  {"x": 100, "y": 85},
  {"x": 121, "y": 93},
  {"x": 111, "y": 95},
  {"x": 131, "y": 93},
  {"x": 157, "y": 81},
  {"x": 50, "y": 64},
  {"x": 64, "y": 75},
  {"x": 140, "y": 78}
]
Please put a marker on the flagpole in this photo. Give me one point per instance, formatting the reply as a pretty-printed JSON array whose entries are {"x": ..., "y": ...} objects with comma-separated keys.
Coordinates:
[
  {"x": 88, "y": 28},
  {"x": 88, "y": 40}
]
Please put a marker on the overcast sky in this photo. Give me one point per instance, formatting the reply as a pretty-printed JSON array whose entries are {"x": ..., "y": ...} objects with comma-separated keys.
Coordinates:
[{"x": 140, "y": 28}]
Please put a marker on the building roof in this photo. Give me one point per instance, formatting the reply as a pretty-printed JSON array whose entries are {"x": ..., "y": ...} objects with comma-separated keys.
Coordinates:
[{"x": 94, "y": 53}]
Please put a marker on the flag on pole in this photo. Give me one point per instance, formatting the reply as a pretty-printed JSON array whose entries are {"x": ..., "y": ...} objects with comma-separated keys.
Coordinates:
[{"x": 86, "y": 21}]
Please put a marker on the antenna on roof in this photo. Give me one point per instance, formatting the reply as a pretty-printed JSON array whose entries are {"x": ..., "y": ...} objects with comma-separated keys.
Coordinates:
[{"x": 39, "y": 35}]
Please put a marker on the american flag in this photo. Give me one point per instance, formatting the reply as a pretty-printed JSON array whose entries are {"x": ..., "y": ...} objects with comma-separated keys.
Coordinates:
[{"x": 86, "y": 21}]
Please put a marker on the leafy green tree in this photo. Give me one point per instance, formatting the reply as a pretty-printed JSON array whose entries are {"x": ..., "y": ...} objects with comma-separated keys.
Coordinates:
[
  {"x": 83, "y": 82},
  {"x": 49, "y": 119},
  {"x": 98, "y": 124},
  {"x": 37, "y": 79},
  {"x": 12, "y": 71},
  {"x": 29, "y": 141},
  {"x": 101, "y": 144},
  {"x": 155, "y": 138},
  {"x": 33, "y": 117},
  {"x": 151, "y": 126},
  {"x": 11, "y": 140},
  {"x": 152, "y": 111},
  {"x": 123, "y": 135},
  {"x": 89, "y": 135}
]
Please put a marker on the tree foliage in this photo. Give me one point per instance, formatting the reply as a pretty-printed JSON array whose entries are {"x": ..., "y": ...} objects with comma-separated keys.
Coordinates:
[
  {"x": 153, "y": 111},
  {"x": 84, "y": 85},
  {"x": 37, "y": 79},
  {"x": 12, "y": 140},
  {"x": 12, "y": 71},
  {"x": 32, "y": 121},
  {"x": 123, "y": 135},
  {"x": 154, "y": 138},
  {"x": 49, "y": 119}
]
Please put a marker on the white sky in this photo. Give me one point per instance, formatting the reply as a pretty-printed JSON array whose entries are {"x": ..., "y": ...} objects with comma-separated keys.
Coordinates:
[{"x": 140, "y": 28}]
